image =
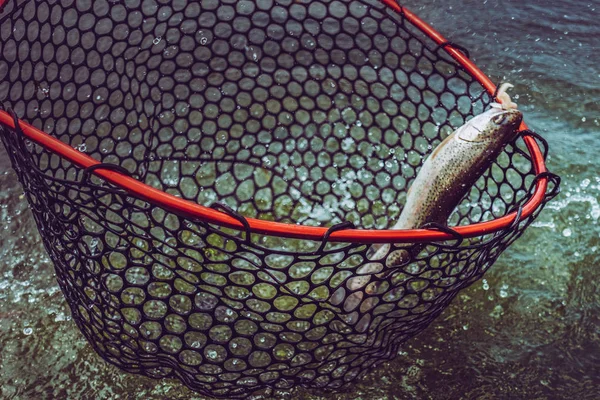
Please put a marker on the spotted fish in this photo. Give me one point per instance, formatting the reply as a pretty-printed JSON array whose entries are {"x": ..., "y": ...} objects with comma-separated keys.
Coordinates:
[{"x": 444, "y": 179}]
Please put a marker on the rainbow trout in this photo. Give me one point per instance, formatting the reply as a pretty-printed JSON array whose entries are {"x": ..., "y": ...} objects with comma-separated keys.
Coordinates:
[
  {"x": 452, "y": 169},
  {"x": 444, "y": 179}
]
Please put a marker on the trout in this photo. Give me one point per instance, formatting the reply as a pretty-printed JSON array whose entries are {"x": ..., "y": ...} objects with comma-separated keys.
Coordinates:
[
  {"x": 453, "y": 168},
  {"x": 443, "y": 181}
]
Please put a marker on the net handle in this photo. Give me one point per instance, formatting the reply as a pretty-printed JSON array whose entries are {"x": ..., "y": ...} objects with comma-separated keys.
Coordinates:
[{"x": 195, "y": 211}]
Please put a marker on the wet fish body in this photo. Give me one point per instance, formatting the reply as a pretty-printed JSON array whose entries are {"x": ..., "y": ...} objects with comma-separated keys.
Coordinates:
[{"x": 450, "y": 172}]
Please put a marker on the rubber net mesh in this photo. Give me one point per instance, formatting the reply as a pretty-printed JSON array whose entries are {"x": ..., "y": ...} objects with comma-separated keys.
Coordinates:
[{"x": 303, "y": 112}]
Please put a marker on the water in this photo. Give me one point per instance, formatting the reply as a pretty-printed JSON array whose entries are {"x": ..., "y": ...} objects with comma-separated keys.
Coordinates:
[{"x": 531, "y": 330}]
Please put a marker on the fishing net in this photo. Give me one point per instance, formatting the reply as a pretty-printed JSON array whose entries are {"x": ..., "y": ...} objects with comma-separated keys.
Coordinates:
[{"x": 277, "y": 141}]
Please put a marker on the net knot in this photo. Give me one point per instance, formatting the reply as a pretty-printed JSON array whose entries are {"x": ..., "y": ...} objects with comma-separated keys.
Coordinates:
[
  {"x": 234, "y": 214},
  {"x": 107, "y": 166},
  {"x": 454, "y": 45}
]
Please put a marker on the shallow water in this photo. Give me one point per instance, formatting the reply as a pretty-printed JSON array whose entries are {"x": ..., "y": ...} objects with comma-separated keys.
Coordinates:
[{"x": 529, "y": 330}]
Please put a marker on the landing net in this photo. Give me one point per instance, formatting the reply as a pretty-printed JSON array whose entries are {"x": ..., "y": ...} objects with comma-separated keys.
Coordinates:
[{"x": 208, "y": 177}]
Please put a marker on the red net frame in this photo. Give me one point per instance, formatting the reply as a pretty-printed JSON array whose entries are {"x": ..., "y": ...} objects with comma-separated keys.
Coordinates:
[{"x": 190, "y": 209}]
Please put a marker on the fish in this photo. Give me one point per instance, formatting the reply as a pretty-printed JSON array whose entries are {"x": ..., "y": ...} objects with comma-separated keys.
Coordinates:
[
  {"x": 443, "y": 181},
  {"x": 454, "y": 167}
]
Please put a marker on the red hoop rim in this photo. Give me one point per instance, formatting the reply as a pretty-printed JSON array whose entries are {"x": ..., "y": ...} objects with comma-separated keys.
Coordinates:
[{"x": 189, "y": 209}]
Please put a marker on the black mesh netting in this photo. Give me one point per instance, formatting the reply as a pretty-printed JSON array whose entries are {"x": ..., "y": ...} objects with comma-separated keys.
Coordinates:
[{"x": 303, "y": 112}]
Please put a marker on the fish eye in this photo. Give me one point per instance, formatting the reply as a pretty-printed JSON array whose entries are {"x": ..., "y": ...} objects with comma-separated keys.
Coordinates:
[{"x": 499, "y": 119}]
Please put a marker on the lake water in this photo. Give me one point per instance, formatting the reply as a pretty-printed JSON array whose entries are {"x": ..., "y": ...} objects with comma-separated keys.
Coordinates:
[{"x": 531, "y": 329}]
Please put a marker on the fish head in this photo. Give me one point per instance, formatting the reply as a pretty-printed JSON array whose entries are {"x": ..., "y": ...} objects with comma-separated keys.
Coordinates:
[{"x": 494, "y": 125}]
